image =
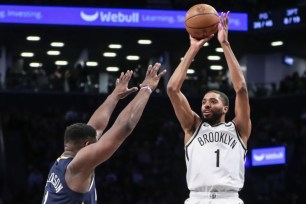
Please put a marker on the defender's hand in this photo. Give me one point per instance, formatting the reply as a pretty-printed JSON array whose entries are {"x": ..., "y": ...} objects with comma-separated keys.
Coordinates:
[
  {"x": 152, "y": 78},
  {"x": 122, "y": 83}
]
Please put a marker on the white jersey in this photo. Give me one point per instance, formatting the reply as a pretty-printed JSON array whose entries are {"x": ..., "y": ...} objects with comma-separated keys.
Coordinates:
[{"x": 215, "y": 158}]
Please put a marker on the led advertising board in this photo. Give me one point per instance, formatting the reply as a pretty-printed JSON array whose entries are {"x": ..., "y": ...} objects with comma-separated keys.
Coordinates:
[
  {"x": 114, "y": 17},
  {"x": 268, "y": 156}
]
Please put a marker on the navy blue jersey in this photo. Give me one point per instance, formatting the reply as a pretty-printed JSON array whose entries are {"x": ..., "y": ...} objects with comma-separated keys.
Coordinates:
[{"x": 57, "y": 191}]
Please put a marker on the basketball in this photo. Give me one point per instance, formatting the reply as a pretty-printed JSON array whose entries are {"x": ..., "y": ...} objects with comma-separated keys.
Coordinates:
[{"x": 201, "y": 21}]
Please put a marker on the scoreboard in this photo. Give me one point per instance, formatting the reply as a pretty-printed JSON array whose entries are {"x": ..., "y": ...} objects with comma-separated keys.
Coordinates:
[
  {"x": 293, "y": 16},
  {"x": 278, "y": 19}
]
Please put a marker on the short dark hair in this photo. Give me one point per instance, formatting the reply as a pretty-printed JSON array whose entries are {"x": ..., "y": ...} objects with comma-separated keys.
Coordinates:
[
  {"x": 223, "y": 97},
  {"x": 78, "y": 132}
]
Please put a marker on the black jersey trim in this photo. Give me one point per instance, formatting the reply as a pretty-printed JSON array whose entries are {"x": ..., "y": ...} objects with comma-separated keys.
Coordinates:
[
  {"x": 190, "y": 141},
  {"x": 221, "y": 123},
  {"x": 239, "y": 136}
]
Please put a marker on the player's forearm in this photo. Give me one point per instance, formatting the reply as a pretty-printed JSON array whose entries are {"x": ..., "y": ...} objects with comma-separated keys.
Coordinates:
[
  {"x": 236, "y": 73},
  {"x": 100, "y": 118},
  {"x": 131, "y": 115}
]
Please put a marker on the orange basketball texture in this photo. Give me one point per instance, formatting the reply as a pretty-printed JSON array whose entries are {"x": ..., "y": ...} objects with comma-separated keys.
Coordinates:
[{"x": 201, "y": 21}]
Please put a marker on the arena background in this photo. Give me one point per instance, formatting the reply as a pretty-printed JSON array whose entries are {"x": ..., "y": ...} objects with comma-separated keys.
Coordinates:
[{"x": 36, "y": 103}]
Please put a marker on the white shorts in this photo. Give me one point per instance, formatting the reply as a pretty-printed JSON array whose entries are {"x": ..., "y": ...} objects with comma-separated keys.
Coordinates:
[{"x": 213, "y": 198}]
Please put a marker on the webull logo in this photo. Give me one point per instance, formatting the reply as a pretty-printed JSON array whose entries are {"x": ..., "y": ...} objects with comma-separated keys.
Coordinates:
[
  {"x": 269, "y": 156},
  {"x": 113, "y": 17}
]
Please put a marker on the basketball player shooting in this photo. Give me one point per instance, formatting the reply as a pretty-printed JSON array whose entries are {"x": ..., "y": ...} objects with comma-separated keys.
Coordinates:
[
  {"x": 214, "y": 149},
  {"x": 71, "y": 178}
]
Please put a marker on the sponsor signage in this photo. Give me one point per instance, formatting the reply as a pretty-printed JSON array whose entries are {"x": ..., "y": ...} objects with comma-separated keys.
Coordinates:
[
  {"x": 83, "y": 16},
  {"x": 268, "y": 156}
]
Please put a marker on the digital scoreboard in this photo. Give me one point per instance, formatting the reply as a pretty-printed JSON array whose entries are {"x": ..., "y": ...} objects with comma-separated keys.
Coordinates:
[
  {"x": 263, "y": 20},
  {"x": 278, "y": 19},
  {"x": 293, "y": 16}
]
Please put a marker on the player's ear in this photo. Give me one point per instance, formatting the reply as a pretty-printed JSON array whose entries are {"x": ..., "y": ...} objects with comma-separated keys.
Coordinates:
[
  {"x": 87, "y": 142},
  {"x": 225, "y": 109}
]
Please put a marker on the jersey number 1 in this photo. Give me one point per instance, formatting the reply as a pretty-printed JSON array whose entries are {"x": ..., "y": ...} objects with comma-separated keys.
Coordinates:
[{"x": 218, "y": 157}]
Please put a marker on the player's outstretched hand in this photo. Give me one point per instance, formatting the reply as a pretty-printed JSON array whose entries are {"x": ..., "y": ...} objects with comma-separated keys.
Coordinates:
[
  {"x": 223, "y": 28},
  {"x": 199, "y": 42},
  {"x": 122, "y": 83},
  {"x": 152, "y": 76}
]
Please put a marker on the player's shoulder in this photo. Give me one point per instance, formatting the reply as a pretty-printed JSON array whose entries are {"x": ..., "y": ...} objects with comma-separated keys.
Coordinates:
[
  {"x": 230, "y": 124},
  {"x": 62, "y": 162}
]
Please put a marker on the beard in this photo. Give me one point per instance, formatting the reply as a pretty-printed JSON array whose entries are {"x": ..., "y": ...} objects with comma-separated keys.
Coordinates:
[{"x": 214, "y": 118}]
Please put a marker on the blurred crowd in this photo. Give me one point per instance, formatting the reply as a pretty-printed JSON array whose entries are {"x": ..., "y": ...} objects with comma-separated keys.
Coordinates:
[
  {"x": 149, "y": 168},
  {"x": 80, "y": 80}
]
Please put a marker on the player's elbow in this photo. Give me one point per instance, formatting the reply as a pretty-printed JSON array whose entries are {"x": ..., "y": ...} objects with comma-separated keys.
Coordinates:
[
  {"x": 241, "y": 88},
  {"x": 127, "y": 125},
  {"x": 171, "y": 89}
]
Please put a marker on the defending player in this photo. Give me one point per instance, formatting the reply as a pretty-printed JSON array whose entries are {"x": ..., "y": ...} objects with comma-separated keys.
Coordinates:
[{"x": 71, "y": 178}]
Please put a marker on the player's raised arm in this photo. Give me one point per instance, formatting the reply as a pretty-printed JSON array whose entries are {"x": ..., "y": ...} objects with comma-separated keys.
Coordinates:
[
  {"x": 92, "y": 155},
  {"x": 100, "y": 118},
  {"x": 187, "y": 118},
  {"x": 242, "y": 107}
]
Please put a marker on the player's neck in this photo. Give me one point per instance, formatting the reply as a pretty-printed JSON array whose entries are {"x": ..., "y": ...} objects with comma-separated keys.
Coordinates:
[
  {"x": 68, "y": 153},
  {"x": 214, "y": 122},
  {"x": 70, "y": 150}
]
